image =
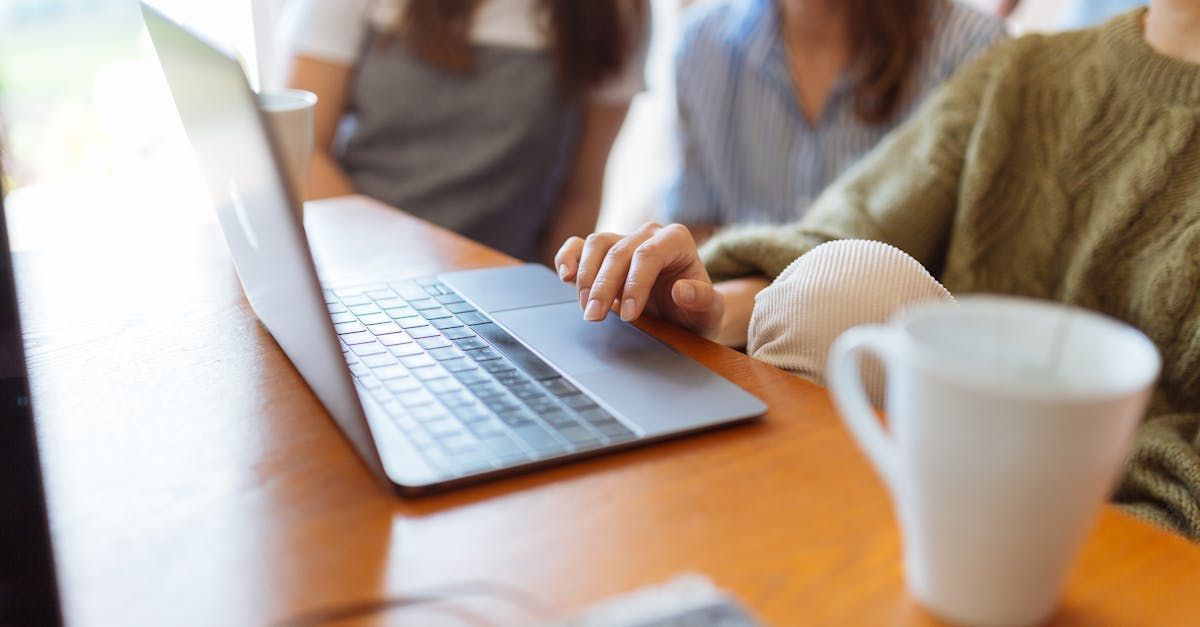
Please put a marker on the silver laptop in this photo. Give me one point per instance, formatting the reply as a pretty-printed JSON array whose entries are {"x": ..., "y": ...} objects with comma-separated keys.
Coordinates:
[{"x": 437, "y": 381}]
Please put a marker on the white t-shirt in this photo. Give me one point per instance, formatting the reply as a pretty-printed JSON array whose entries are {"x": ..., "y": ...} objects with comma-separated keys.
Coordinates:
[{"x": 334, "y": 30}]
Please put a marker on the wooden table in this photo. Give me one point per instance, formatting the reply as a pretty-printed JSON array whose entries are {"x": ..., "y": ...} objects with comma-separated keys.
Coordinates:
[{"x": 194, "y": 479}]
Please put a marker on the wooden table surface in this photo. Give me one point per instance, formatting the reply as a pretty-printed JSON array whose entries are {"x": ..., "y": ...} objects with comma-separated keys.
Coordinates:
[{"x": 193, "y": 479}]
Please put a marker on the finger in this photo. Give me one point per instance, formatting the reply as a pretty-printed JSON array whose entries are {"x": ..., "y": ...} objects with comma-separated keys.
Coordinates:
[
  {"x": 694, "y": 296},
  {"x": 567, "y": 258},
  {"x": 595, "y": 247},
  {"x": 610, "y": 278},
  {"x": 669, "y": 244}
]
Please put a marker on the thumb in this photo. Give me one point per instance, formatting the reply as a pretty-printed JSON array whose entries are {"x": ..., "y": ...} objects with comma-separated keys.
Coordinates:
[{"x": 693, "y": 295}]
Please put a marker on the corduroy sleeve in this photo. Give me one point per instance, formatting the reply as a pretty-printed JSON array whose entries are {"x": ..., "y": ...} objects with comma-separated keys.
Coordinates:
[
  {"x": 902, "y": 193},
  {"x": 1162, "y": 476}
]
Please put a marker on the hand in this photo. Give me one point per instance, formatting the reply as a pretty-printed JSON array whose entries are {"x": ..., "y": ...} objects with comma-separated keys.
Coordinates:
[{"x": 654, "y": 270}]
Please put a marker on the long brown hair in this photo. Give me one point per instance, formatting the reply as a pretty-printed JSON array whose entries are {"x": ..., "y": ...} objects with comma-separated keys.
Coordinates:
[
  {"x": 887, "y": 39},
  {"x": 591, "y": 39}
]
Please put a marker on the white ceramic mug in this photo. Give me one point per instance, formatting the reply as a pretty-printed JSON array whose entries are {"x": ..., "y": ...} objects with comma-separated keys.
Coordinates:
[
  {"x": 290, "y": 113},
  {"x": 1008, "y": 423}
]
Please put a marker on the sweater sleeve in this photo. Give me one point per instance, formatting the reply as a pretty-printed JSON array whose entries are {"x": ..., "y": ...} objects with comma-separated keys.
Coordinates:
[
  {"x": 1161, "y": 482},
  {"x": 902, "y": 193}
]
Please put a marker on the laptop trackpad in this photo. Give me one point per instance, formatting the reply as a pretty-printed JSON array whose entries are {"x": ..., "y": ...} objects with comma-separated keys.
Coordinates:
[{"x": 577, "y": 347}]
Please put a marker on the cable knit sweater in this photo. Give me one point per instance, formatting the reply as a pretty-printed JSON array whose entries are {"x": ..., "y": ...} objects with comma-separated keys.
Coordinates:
[{"x": 1064, "y": 167}]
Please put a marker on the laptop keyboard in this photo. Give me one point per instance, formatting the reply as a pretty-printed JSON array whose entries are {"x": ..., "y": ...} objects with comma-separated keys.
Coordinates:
[{"x": 464, "y": 391}]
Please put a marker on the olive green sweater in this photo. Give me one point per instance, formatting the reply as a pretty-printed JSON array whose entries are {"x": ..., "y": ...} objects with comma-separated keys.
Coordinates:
[{"x": 1063, "y": 167}]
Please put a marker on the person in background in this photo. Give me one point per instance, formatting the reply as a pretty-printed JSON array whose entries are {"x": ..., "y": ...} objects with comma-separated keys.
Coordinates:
[
  {"x": 1062, "y": 167},
  {"x": 779, "y": 97},
  {"x": 493, "y": 118}
]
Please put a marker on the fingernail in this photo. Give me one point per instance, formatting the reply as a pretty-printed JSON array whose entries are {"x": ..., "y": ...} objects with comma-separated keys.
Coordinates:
[
  {"x": 628, "y": 306},
  {"x": 594, "y": 311},
  {"x": 562, "y": 271},
  {"x": 687, "y": 292},
  {"x": 583, "y": 297}
]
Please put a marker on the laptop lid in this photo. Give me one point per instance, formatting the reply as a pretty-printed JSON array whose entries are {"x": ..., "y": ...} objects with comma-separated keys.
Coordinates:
[
  {"x": 258, "y": 216},
  {"x": 28, "y": 587}
]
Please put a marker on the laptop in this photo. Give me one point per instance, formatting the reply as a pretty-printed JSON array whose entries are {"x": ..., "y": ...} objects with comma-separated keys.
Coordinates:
[
  {"x": 438, "y": 381},
  {"x": 28, "y": 585}
]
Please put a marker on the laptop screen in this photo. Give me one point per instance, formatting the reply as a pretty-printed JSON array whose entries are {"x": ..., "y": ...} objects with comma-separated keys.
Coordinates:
[{"x": 28, "y": 590}]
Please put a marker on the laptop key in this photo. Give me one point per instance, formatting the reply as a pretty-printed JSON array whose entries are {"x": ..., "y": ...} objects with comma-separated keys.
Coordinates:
[
  {"x": 442, "y": 354},
  {"x": 559, "y": 419},
  {"x": 445, "y": 323},
  {"x": 406, "y": 384},
  {"x": 500, "y": 404},
  {"x": 509, "y": 377},
  {"x": 497, "y": 365},
  {"x": 578, "y": 401},
  {"x": 390, "y": 372},
  {"x": 458, "y": 365},
  {"x": 382, "y": 294},
  {"x": 389, "y": 303},
  {"x": 392, "y": 339},
  {"x": 471, "y": 377},
  {"x": 435, "y": 313},
  {"x": 516, "y": 418},
  {"x": 526, "y": 391},
  {"x": 457, "y": 441},
  {"x": 417, "y": 361},
  {"x": 422, "y": 304},
  {"x": 459, "y": 308},
  {"x": 486, "y": 389},
  {"x": 343, "y": 318},
  {"x": 467, "y": 343},
  {"x": 460, "y": 333},
  {"x": 374, "y": 318},
  {"x": 405, "y": 350},
  {"x": 484, "y": 354},
  {"x": 424, "y": 331},
  {"x": 473, "y": 318},
  {"x": 448, "y": 298},
  {"x": 360, "y": 370},
  {"x": 430, "y": 343},
  {"x": 365, "y": 309},
  {"x": 397, "y": 313},
  {"x": 352, "y": 300},
  {"x": 384, "y": 329},
  {"x": 363, "y": 350},
  {"x": 410, "y": 291},
  {"x": 359, "y": 337},
  {"x": 329, "y": 297},
  {"x": 560, "y": 386},
  {"x": 412, "y": 323}
]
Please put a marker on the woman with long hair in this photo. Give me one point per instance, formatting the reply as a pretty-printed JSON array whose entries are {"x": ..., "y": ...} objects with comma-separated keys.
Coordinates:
[
  {"x": 777, "y": 98},
  {"x": 491, "y": 117}
]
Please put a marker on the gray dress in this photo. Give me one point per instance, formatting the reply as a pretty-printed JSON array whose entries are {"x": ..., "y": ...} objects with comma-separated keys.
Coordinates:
[{"x": 484, "y": 154}]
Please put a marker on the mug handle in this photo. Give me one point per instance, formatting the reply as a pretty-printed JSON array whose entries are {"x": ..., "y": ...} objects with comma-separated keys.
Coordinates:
[{"x": 850, "y": 397}]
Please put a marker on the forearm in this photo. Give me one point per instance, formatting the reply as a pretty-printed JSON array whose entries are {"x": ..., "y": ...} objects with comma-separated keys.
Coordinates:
[
  {"x": 326, "y": 178},
  {"x": 739, "y": 306}
]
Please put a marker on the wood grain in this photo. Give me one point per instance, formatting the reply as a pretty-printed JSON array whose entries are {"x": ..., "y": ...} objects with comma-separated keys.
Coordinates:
[{"x": 194, "y": 480}]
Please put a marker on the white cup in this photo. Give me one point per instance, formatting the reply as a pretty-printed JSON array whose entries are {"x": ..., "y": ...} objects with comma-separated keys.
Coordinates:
[
  {"x": 290, "y": 113},
  {"x": 1008, "y": 422}
]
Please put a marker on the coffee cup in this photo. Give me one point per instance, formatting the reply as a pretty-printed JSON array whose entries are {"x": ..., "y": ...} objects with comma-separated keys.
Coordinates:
[
  {"x": 290, "y": 114},
  {"x": 1008, "y": 421}
]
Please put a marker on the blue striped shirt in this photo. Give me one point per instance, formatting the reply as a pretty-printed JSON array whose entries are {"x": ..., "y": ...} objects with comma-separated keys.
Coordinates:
[{"x": 748, "y": 154}]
